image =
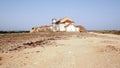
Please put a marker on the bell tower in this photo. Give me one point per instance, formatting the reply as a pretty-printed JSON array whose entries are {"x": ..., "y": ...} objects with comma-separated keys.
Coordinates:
[{"x": 54, "y": 20}]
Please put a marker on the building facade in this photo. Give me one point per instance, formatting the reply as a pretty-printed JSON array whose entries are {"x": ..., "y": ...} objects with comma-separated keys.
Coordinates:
[{"x": 64, "y": 25}]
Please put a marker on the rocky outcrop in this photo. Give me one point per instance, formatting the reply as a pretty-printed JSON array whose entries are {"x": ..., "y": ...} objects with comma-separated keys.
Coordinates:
[
  {"x": 41, "y": 29},
  {"x": 81, "y": 28}
]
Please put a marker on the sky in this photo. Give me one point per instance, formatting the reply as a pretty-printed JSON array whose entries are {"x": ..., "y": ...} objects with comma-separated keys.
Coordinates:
[{"x": 92, "y": 14}]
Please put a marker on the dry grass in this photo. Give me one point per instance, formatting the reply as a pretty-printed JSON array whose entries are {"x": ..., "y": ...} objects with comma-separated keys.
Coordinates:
[
  {"x": 107, "y": 31},
  {"x": 18, "y": 41},
  {"x": 71, "y": 50},
  {"x": 15, "y": 41}
]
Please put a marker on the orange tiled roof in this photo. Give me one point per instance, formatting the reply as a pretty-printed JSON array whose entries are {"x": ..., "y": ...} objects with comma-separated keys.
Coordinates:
[{"x": 61, "y": 21}]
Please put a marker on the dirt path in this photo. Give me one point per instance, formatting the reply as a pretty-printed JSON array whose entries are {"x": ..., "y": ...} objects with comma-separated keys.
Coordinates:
[{"x": 101, "y": 51}]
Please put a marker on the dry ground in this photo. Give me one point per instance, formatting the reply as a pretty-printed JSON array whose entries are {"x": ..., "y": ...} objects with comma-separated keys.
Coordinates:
[{"x": 60, "y": 50}]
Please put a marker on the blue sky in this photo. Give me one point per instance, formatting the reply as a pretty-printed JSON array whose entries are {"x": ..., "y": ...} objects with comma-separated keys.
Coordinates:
[{"x": 92, "y": 14}]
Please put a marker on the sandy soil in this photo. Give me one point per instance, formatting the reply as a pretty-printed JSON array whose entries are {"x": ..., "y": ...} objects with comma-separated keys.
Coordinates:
[{"x": 89, "y": 50}]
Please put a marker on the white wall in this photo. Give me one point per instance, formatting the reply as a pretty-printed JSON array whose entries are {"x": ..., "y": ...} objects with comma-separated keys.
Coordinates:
[
  {"x": 66, "y": 23},
  {"x": 71, "y": 28},
  {"x": 77, "y": 29},
  {"x": 62, "y": 27},
  {"x": 55, "y": 27}
]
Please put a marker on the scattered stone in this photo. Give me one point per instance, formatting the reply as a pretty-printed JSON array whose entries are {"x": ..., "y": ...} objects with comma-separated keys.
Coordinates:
[
  {"x": 26, "y": 57},
  {"x": 0, "y": 63},
  {"x": 37, "y": 51},
  {"x": 0, "y": 58}
]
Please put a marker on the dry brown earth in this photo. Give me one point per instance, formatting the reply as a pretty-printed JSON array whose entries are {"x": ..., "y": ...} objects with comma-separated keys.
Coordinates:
[{"x": 64, "y": 50}]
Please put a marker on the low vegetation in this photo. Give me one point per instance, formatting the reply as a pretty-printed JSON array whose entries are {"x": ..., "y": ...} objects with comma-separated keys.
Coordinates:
[
  {"x": 5, "y": 32},
  {"x": 107, "y": 31}
]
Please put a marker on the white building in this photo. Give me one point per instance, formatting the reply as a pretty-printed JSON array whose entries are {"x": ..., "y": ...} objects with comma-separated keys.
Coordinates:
[
  {"x": 65, "y": 24},
  {"x": 71, "y": 28}
]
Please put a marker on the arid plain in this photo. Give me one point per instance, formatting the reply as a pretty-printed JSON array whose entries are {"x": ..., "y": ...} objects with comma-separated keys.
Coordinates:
[{"x": 59, "y": 50}]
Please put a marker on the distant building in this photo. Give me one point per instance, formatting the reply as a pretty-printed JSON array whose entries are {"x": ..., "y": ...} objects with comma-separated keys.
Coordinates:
[
  {"x": 65, "y": 24},
  {"x": 62, "y": 25}
]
